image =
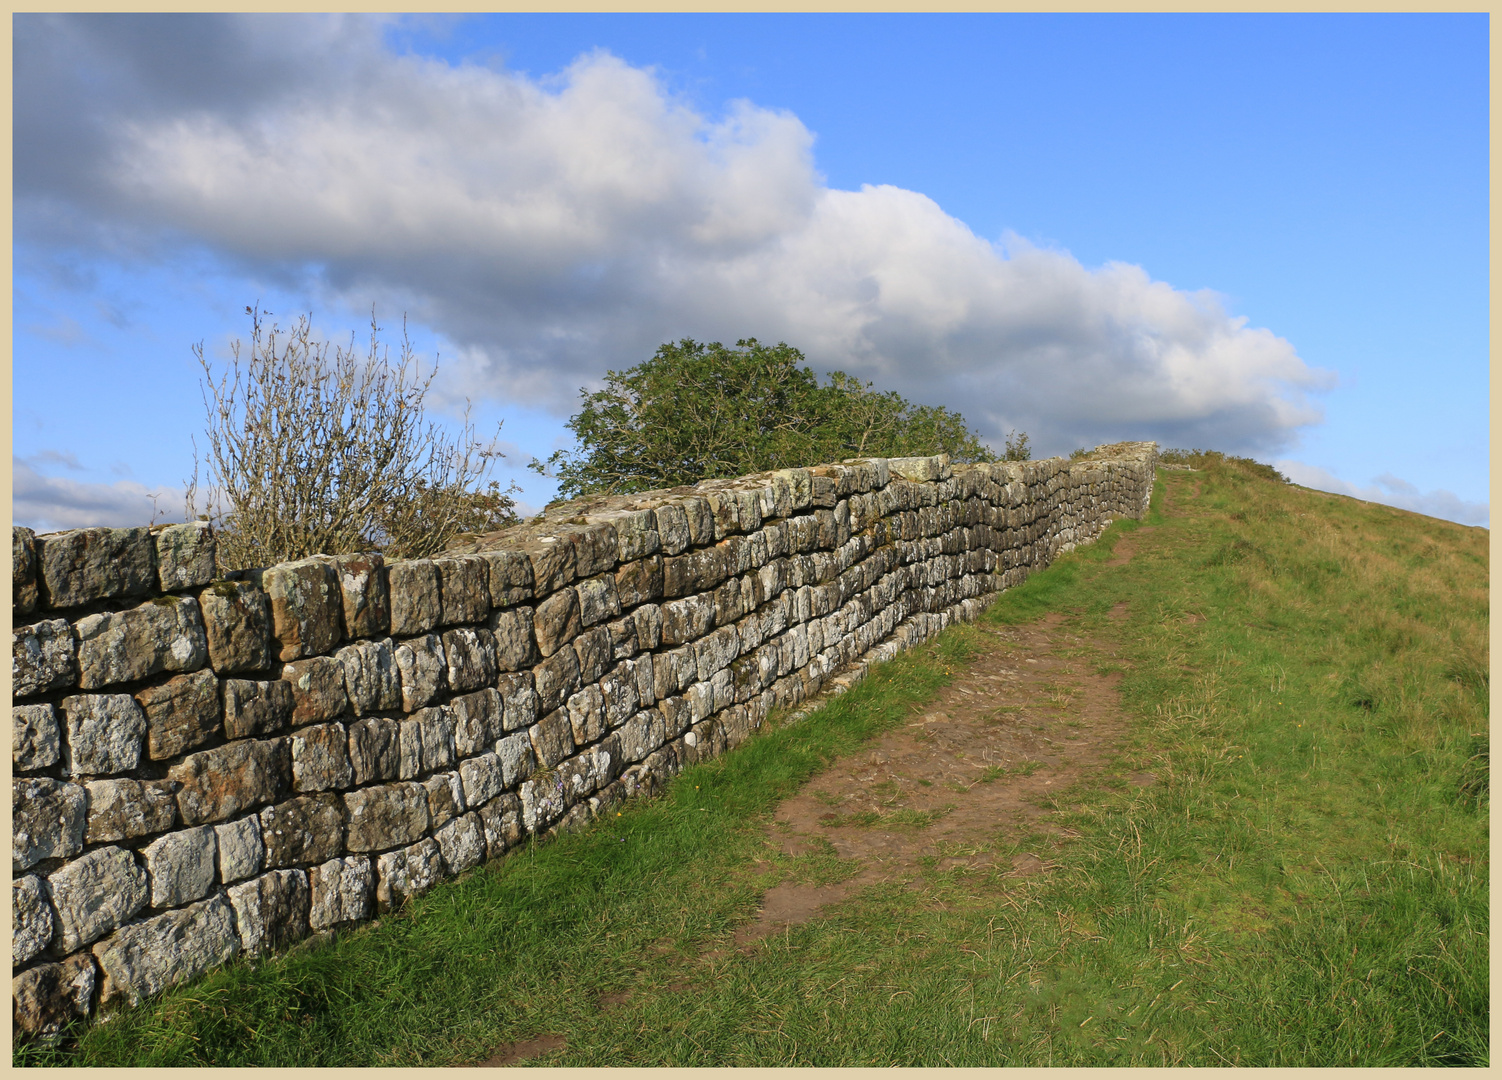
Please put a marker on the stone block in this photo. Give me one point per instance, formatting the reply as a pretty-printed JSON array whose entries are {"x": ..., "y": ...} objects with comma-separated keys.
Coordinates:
[
  {"x": 597, "y": 600},
  {"x": 363, "y": 594},
  {"x": 372, "y": 682},
  {"x": 553, "y": 561},
  {"x": 84, "y": 565},
  {"x": 307, "y": 829},
  {"x": 482, "y": 778},
  {"x": 242, "y": 851},
  {"x": 716, "y": 651},
  {"x": 307, "y": 608},
  {"x": 342, "y": 891},
  {"x": 25, "y": 593},
  {"x": 555, "y": 679},
  {"x": 520, "y": 699},
  {"x": 423, "y": 670},
  {"x": 623, "y": 644},
  {"x": 34, "y": 739},
  {"x": 596, "y": 549},
  {"x": 218, "y": 784},
  {"x": 642, "y": 734},
  {"x": 642, "y": 671},
  {"x": 639, "y": 582},
  {"x": 635, "y": 533},
  {"x": 165, "y": 634},
  {"x": 594, "y": 652},
  {"x": 104, "y": 734},
  {"x": 185, "y": 555},
  {"x": 415, "y": 607},
  {"x": 182, "y": 714},
  {"x": 95, "y": 893},
  {"x": 463, "y": 589},
  {"x": 471, "y": 658},
  {"x": 501, "y": 818},
  {"x": 146, "y": 958},
  {"x": 588, "y": 771},
  {"x": 543, "y": 801},
  {"x": 478, "y": 720},
  {"x": 47, "y": 820},
  {"x": 271, "y": 911},
  {"x": 49, "y": 996},
  {"x": 555, "y": 622},
  {"x": 516, "y": 758},
  {"x": 619, "y": 697},
  {"x": 124, "y": 809},
  {"x": 406, "y": 873},
  {"x": 700, "y": 520},
  {"x": 686, "y": 619},
  {"x": 41, "y": 658},
  {"x": 672, "y": 528},
  {"x": 317, "y": 689},
  {"x": 586, "y": 714},
  {"x": 320, "y": 758},
  {"x": 676, "y": 715},
  {"x": 182, "y": 866},
  {"x": 436, "y": 730},
  {"x": 31, "y": 919},
  {"x": 409, "y": 762},
  {"x": 375, "y": 749},
  {"x": 445, "y": 798},
  {"x": 462, "y": 843},
  {"x": 510, "y": 577},
  {"x": 515, "y": 648},
  {"x": 385, "y": 816},
  {"x": 256, "y": 708}
]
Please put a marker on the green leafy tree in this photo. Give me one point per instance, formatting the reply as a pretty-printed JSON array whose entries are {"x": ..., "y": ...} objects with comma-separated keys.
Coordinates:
[{"x": 700, "y": 411}]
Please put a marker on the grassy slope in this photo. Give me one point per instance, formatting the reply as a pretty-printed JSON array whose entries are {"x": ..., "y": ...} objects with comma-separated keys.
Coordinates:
[{"x": 1304, "y": 886}]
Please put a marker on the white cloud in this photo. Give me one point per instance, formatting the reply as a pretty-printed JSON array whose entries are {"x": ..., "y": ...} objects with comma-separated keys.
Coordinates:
[
  {"x": 551, "y": 229},
  {"x": 51, "y": 503},
  {"x": 1392, "y": 491}
]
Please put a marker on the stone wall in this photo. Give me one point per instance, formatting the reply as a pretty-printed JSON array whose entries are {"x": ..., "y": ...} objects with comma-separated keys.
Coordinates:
[{"x": 206, "y": 764}]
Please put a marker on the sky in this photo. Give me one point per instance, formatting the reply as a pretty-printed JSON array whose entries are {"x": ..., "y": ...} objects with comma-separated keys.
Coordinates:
[{"x": 1263, "y": 234}]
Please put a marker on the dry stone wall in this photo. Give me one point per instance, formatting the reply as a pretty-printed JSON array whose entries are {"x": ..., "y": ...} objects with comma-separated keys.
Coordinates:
[{"x": 206, "y": 765}]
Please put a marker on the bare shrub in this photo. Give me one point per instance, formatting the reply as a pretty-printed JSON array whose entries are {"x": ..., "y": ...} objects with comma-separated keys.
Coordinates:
[{"x": 310, "y": 455}]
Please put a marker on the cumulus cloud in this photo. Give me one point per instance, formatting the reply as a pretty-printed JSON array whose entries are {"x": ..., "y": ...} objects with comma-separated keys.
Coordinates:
[
  {"x": 1391, "y": 490},
  {"x": 553, "y": 228},
  {"x": 51, "y": 503}
]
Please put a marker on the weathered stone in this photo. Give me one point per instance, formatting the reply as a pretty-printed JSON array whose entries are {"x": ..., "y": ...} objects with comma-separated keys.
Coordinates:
[
  {"x": 307, "y": 829},
  {"x": 593, "y": 649},
  {"x": 320, "y": 758},
  {"x": 95, "y": 893},
  {"x": 596, "y": 549},
  {"x": 471, "y": 658},
  {"x": 520, "y": 698},
  {"x": 47, "y": 820},
  {"x": 41, "y": 658},
  {"x": 514, "y": 646},
  {"x": 676, "y": 715},
  {"x": 185, "y": 555},
  {"x": 501, "y": 818},
  {"x": 463, "y": 589},
  {"x": 342, "y": 891},
  {"x": 543, "y": 799},
  {"x": 481, "y": 777},
  {"x": 96, "y": 564},
  {"x": 642, "y": 734},
  {"x": 24, "y": 590},
  {"x": 385, "y": 816},
  {"x": 436, "y": 727},
  {"x": 218, "y": 784},
  {"x": 104, "y": 734},
  {"x": 672, "y": 528},
  {"x": 642, "y": 671},
  {"x": 516, "y": 758},
  {"x": 372, "y": 682},
  {"x": 648, "y": 619},
  {"x": 414, "y": 596},
  {"x": 597, "y": 600},
  {"x": 445, "y": 798},
  {"x": 462, "y": 843},
  {"x": 363, "y": 594},
  {"x": 307, "y": 608},
  {"x": 242, "y": 851},
  {"x": 552, "y": 738},
  {"x": 510, "y": 577},
  {"x": 405, "y": 873},
  {"x": 49, "y": 996},
  {"x": 623, "y": 642},
  {"x": 181, "y": 866},
  {"x": 618, "y": 695},
  {"x": 375, "y": 749},
  {"x": 640, "y": 581},
  {"x": 165, "y": 634},
  {"x": 271, "y": 911},
  {"x": 317, "y": 689},
  {"x": 31, "y": 918},
  {"x": 423, "y": 669},
  {"x": 237, "y": 626},
  {"x": 588, "y": 771},
  {"x": 555, "y": 679},
  {"x": 687, "y": 619},
  {"x": 715, "y": 651},
  {"x": 556, "y": 621},
  {"x": 146, "y": 958},
  {"x": 586, "y": 714},
  {"x": 124, "y": 809},
  {"x": 256, "y": 708},
  {"x": 182, "y": 714},
  {"x": 34, "y": 740}
]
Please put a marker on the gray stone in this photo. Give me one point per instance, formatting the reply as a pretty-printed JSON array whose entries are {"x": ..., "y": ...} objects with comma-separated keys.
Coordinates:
[
  {"x": 125, "y": 809},
  {"x": 31, "y": 918},
  {"x": 237, "y": 626},
  {"x": 96, "y": 564},
  {"x": 385, "y": 816},
  {"x": 372, "y": 682},
  {"x": 24, "y": 590},
  {"x": 182, "y": 714},
  {"x": 700, "y": 520},
  {"x": 405, "y": 873},
  {"x": 643, "y": 673},
  {"x": 414, "y": 596},
  {"x": 594, "y": 652},
  {"x": 587, "y": 772},
  {"x": 307, "y": 829},
  {"x": 623, "y": 642},
  {"x": 516, "y": 759},
  {"x": 185, "y": 555},
  {"x": 375, "y": 749},
  {"x": 320, "y": 758},
  {"x": 34, "y": 740},
  {"x": 687, "y": 619},
  {"x": 543, "y": 800},
  {"x": 501, "y": 818},
  {"x": 514, "y": 647},
  {"x": 556, "y": 621},
  {"x": 471, "y": 658},
  {"x": 463, "y": 589},
  {"x": 95, "y": 893},
  {"x": 619, "y": 695},
  {"x": 423, "y": 669},
  {"x": 49, "y": 996},
  {"x": 409, "y": 754},
  {"x": 147, "y": 957},
  {"x": 520, "y": 698},
  {"x": 271, "y": 911},
  {"x": 181, "y": 866},
  {"x": 555, "y": 679},
  {"x": 586, "y": 714},
  {"x": 165, "y": 634},
  {"x": 307, "y": 608},
  {"x": 481, "y": 777},
  {"x": 462, "y": 843},
  {"x": 553, "y": 562},
  {"x": 672, "y": 528},
  {"x": 105, "y": 732},
  {"x": 596, "y": 549},
  {"x": 242, "y": 851},
  {"x": 317, "y": 689},
  {"x": 41, "y": 658},
  {"x": 363, "y": 594},
  {"x": 436, "y": 729},
  {"x": 552, "y": 738},
  {"x": 638, "y": 582},
  {"x": 642, "y": 734},
  {"x": 47, "y": 820},
  {"x": 342, "y": 891},
  {"x": 597, "y": 600},
  {"x": 648, "y": 619},
  {"x": 510, "y": 577},
  {"x": 676, "y": 715},
  {"x": 220, "y": 783},
  {"x": 715, "y": 652},
  {"x": 445, "y": 798},
  {"x": 256, "y": 708}
]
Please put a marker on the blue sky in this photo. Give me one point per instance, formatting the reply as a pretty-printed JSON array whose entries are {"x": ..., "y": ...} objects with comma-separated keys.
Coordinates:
[{"x": 1265, "y": 234}]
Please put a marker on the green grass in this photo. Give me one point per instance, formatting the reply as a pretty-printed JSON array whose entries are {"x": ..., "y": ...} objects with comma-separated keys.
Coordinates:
[{"x": 1306, "y": 883}]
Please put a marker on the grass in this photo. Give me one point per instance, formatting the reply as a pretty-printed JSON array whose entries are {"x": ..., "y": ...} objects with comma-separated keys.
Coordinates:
[{"x": 1305, "y": 884}]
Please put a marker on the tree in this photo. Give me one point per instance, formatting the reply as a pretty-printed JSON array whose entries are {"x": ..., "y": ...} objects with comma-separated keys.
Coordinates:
[
  {"x": 311, "y": 456},
  {"x": 700, "y": 411}
]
